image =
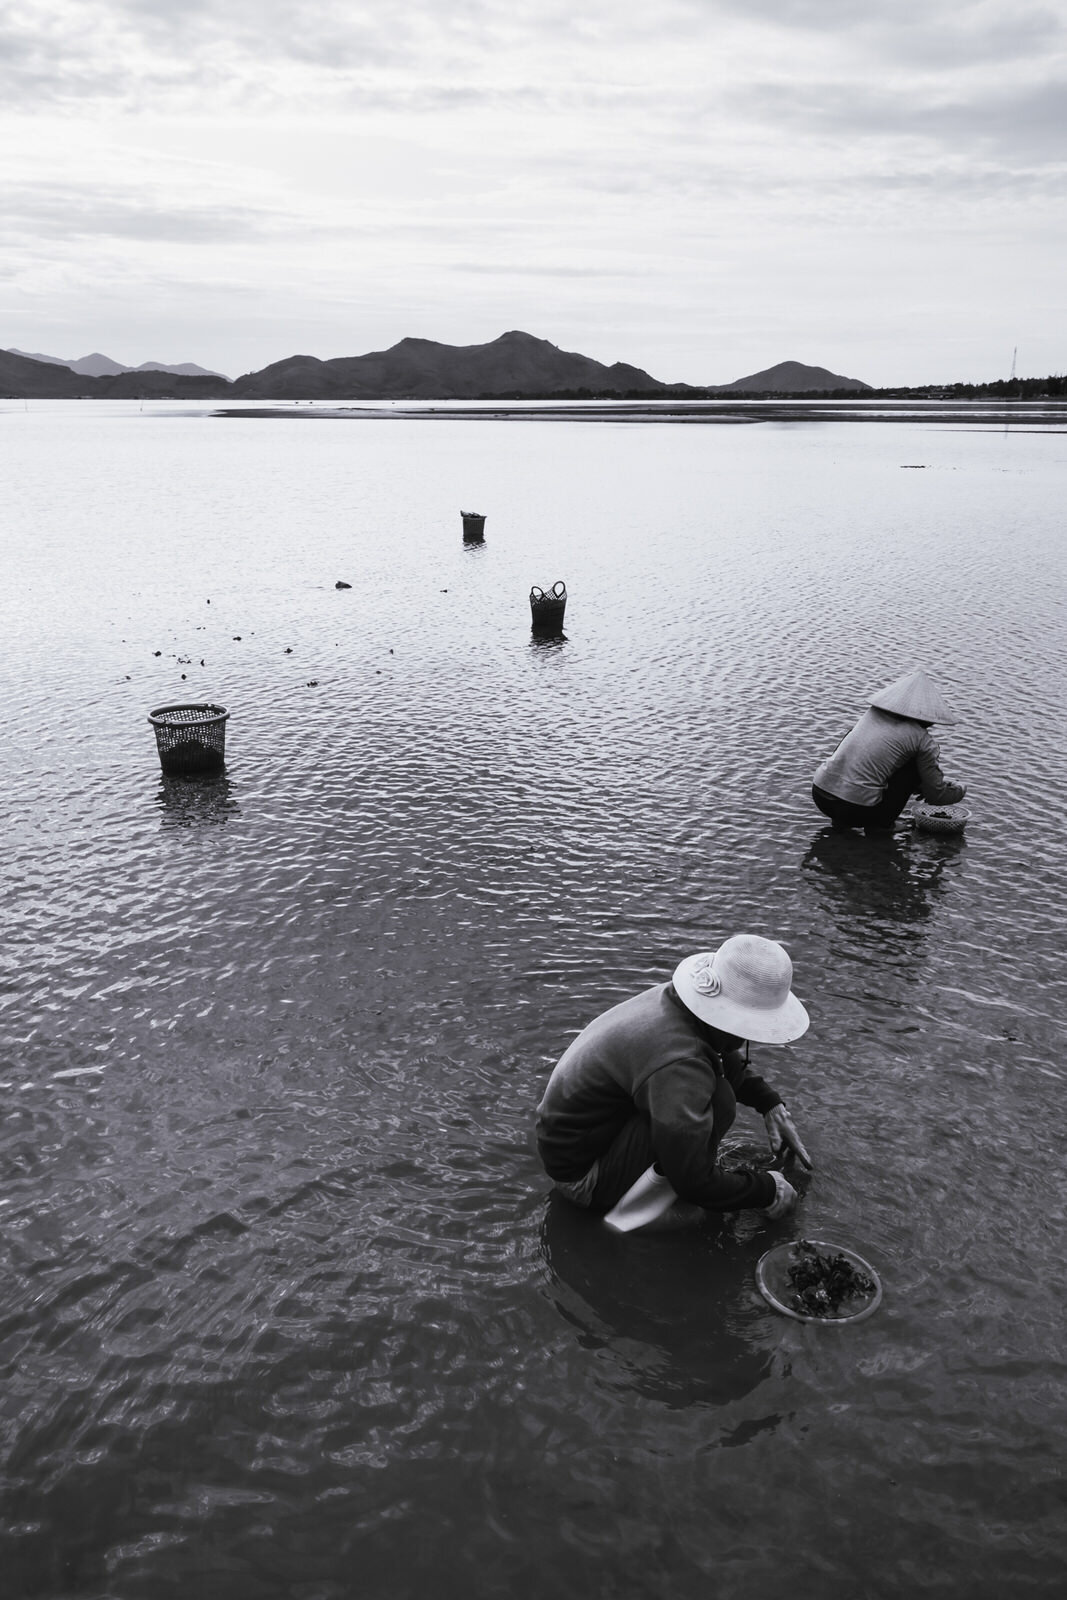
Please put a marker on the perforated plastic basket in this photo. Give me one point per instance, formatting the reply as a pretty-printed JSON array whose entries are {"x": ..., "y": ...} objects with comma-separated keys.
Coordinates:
[
  {"x": 191, "y": 740},
  {"x": 547, "y": 608}
]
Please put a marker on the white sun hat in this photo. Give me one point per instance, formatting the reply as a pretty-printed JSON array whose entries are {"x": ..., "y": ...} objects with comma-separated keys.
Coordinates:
[
  {"x": 915, "y": 695},
  {"x": 743, "y": 988}
]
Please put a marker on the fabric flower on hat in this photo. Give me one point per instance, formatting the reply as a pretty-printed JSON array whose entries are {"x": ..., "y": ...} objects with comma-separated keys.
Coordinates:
[{"x": 705, "y": 978}]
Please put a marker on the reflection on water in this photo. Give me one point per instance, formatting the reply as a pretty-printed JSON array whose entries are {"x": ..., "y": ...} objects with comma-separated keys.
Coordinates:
[
  {"x": 886, "y": 878},
  {"x": 196, "y": 802},
  {"x": 669, "y": 1309},
  {"x": 545, "y": 643}
]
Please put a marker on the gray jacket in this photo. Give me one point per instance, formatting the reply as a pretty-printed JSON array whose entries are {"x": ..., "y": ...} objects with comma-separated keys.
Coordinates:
[{"x": 879, "y": 745}]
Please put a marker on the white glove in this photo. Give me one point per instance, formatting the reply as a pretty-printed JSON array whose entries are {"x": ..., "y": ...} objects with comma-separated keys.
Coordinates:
[
  {"x": 783, "y": 1136},
  {"x": 785, "y": 1197}
]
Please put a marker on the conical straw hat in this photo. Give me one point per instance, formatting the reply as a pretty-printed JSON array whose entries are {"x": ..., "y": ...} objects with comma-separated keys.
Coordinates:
[{"x": 914, "y": 695}]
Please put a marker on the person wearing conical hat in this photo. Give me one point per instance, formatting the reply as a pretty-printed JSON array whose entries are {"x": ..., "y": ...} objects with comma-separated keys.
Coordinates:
[
  {"x": 887, "y": 757},
  {"x": 630, "y": 1123}
]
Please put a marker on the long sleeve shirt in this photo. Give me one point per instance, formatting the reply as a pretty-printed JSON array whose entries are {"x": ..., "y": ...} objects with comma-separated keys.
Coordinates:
[
  {"x": 879, "y": 745},
  {"x": 650, "y": 1056}
]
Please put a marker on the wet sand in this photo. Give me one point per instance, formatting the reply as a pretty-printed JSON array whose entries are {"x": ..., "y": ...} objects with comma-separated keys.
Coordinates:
[{"x": 1041, "y": 415}]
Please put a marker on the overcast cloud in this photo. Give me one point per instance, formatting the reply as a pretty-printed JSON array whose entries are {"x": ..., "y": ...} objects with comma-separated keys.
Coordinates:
[{"x": 700, "y": 187}]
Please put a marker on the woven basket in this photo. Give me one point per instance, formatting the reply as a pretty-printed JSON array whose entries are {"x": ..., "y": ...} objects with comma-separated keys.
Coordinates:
[
  {"x": 939, "y": 819},
  {"x": 547, "y": 608},
  {"x": 191, "y": 740},
  {"x": 473, "y": 526}
]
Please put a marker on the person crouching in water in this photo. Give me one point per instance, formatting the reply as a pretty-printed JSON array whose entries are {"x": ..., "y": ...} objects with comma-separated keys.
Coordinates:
[
  {"x": 636, "y": 1107},
  {"x": 887, "y": 757}
]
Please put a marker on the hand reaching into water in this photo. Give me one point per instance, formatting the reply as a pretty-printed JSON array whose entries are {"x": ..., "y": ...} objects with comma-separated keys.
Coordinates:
[{"x": 783, "y": 1136}]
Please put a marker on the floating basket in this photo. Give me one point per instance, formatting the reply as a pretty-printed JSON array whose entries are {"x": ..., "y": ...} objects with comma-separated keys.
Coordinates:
[
  {"x": 191, "y": 740},
  {"x": 777, "y": 1284},
  {"x": 547, "y": 608},
  {"x": 939, "y": 819},
  {"x": 473, "y": 527}
]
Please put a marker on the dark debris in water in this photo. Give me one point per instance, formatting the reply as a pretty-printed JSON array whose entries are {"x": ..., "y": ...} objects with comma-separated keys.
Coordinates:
[{"x": 822, "y": 1283}]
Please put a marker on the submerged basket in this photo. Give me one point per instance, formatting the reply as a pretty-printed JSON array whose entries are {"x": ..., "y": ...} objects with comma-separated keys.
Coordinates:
[
  {"x": 939, "y": 819},
  {"x": 547, "y": 608},
  {"x": 776, "y": 1286},
  {"x": 473, "y": 526},
  {"x": 191, "y": 740}
]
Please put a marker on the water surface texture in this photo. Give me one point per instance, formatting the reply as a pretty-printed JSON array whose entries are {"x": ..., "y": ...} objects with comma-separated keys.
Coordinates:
[{"x": 287, "y": 1309}]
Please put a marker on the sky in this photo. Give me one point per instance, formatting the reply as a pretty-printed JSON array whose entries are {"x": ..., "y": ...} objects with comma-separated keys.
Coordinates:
[{"x": 700, "y": 188}]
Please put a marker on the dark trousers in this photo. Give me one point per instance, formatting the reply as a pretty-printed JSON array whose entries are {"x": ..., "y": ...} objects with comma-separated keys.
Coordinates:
[
  {"x": 876, "y": 819},
  {"x": 629, "y": 1154}
]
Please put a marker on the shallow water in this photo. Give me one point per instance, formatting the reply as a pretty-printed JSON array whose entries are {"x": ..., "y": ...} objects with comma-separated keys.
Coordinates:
[{"x": 286, "y": 1308}]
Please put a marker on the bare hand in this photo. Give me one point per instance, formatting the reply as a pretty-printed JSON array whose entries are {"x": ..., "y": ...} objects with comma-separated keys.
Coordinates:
[{"x": 783, "y": 1136}]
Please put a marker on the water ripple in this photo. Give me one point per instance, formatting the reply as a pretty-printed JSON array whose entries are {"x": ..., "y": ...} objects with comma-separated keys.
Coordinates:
[{"x": 281, "y": 1289}]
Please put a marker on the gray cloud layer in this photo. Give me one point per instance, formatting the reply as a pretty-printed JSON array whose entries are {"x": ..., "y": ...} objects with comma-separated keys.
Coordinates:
[
  {"x": 127, "y": 51},
  {"x": 978, "y": 79},
  {"x": 620, "y": 159},
  {"x": 68, "y": 211}
]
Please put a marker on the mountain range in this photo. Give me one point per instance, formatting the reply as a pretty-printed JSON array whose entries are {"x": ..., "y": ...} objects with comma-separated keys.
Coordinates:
[
  {"x": 514, "y": 366},
  {"x": 421, "y": 369},
  {"x": 100, "y": 366},
  {"x": 21, "y": 377}
]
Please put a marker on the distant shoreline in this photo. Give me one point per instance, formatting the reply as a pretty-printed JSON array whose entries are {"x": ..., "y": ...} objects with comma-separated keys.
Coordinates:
[{"x": 1044, "y": 415}]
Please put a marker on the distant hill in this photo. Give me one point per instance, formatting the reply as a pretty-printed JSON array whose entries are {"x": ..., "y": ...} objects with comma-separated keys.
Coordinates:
[
  {"x": 515, "y": 365},
  {"x": 790, "y": 377},
  {"x": 36, "y": 355},
  {"x": 101, "y": 366},
  {"x": 23, "y": 377},
  {"x": 27, "y": 378},
  {"x": 183, "y": 369}
]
